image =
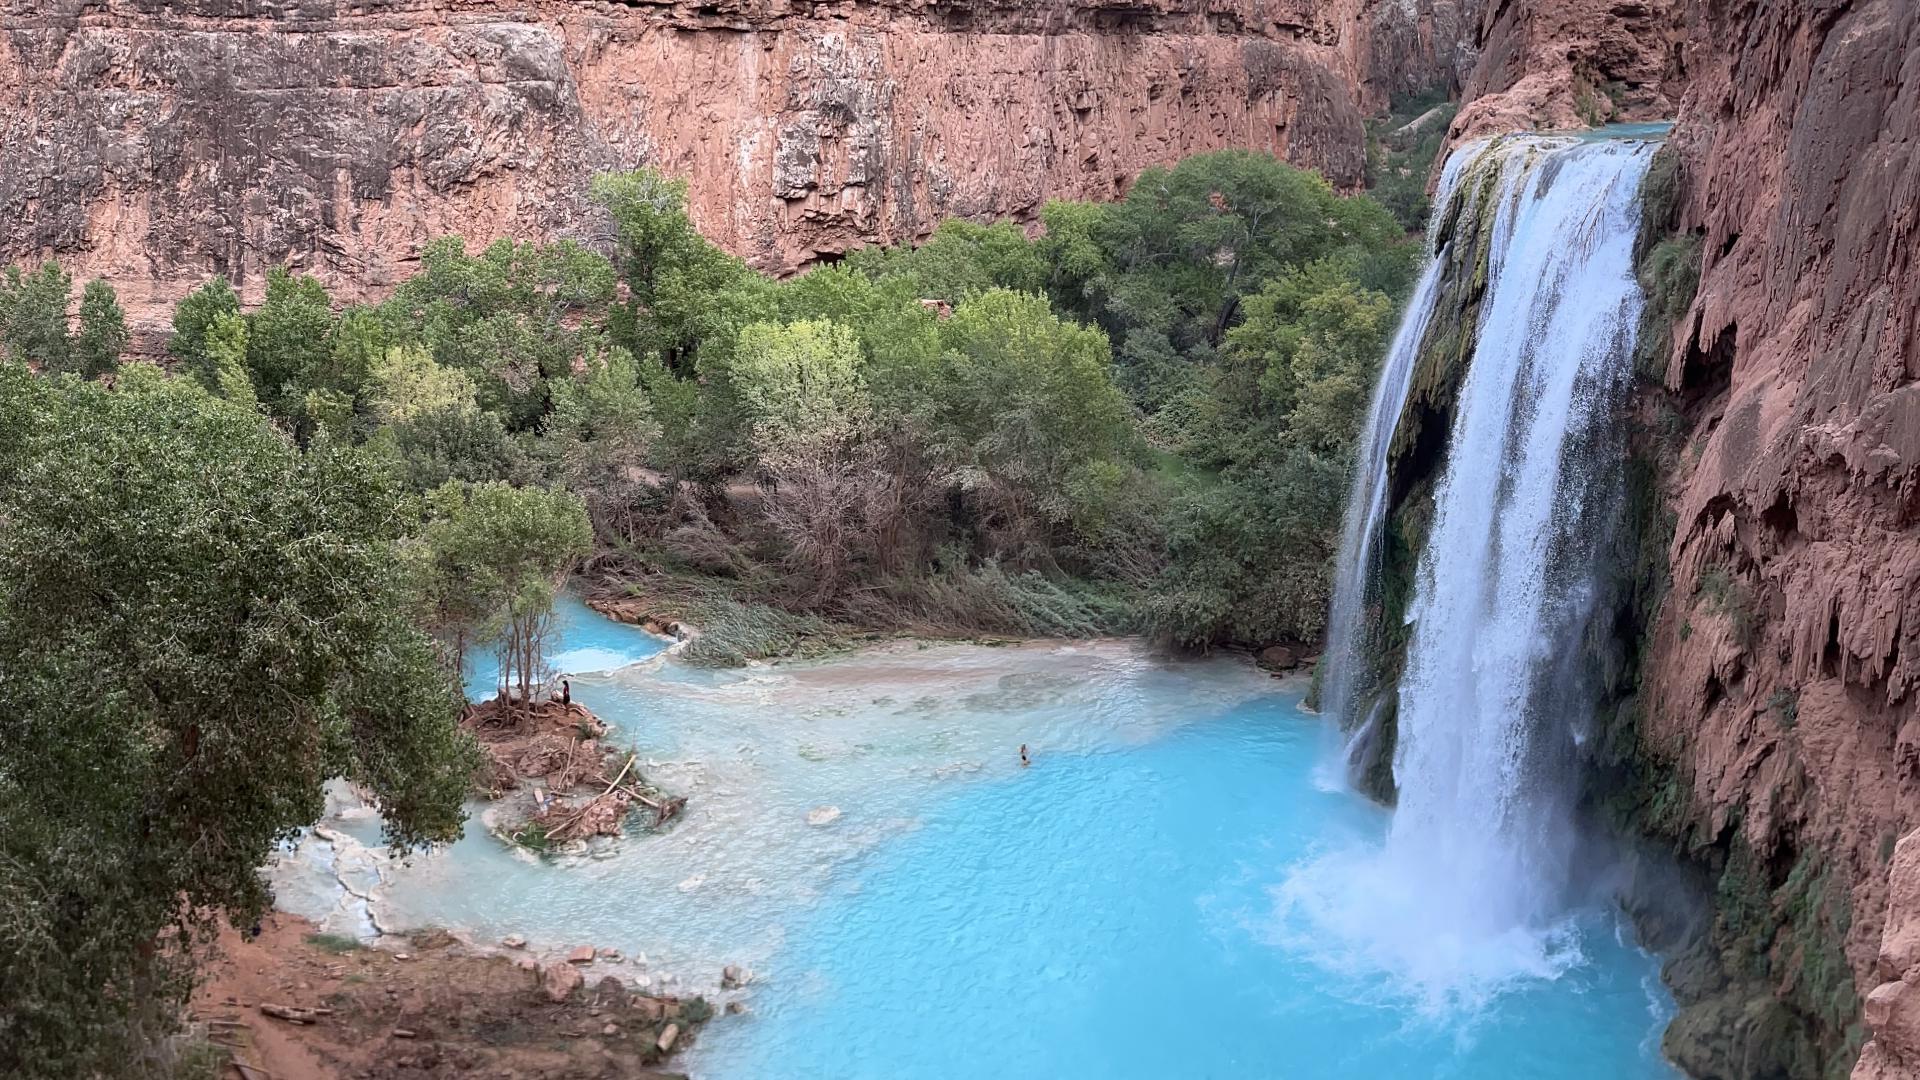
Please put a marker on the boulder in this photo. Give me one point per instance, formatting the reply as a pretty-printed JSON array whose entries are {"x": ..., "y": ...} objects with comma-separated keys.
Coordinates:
[
  {"x": 733, "y": 977},
  {"x": 581, "y": 955},
  {"x": 560, "y": 981},
  {"x": 609, "y": 953},
  {"x": 669, "y": 1036},
  {"x": 514, "y": 941},
  {"x": 1277, "y": 658}
]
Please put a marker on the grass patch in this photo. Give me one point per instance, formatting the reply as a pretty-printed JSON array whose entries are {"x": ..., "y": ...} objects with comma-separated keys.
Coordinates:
[
  {"x": 1729, "y": 596},
  {"x": 334, "y": 943},
  {"x": 1785, "y": 705},
  {"x": 532, "y": 836}
]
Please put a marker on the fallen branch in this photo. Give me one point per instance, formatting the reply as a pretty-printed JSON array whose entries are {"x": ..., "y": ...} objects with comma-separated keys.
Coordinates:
[{"x": 298, "y": 1014}]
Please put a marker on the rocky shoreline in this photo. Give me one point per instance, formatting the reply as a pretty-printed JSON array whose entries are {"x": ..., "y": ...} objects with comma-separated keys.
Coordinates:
[{"x": 293, "y": 1003}]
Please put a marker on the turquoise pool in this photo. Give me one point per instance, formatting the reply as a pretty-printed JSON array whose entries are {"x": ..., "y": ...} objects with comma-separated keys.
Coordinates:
[{"x": 1150, "y": 899}]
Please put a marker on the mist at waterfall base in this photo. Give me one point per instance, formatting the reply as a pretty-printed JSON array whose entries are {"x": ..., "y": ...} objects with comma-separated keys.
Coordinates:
[{"x": 1485, "y": 873}]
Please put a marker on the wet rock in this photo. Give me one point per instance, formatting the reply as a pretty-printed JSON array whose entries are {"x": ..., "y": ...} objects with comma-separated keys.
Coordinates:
[
  {"x": 735, "y": 1008},
  {"x": 581, "y": 954},
  {"x": 514, "y": 941},
  {"x": 609, "y": 953},
  {"x": 560, "y": 981},
  {"x": 823, "y": 815},
  {"x": 733, "y": 977}
]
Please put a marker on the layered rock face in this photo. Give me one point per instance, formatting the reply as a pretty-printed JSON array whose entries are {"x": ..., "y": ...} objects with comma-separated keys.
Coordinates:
[
  {"x": 1789, "y": 652},
  {"x": 155, "y": 143},
  {"x": 1559, "y": 66}
]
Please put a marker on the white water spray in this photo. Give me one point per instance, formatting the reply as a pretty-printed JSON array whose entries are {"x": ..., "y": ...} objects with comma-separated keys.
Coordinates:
[{"x": 1474, "y": 883}]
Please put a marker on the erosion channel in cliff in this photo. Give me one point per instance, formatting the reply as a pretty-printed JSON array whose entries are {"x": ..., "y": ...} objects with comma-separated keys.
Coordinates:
[{"x": 898, "y": 894}]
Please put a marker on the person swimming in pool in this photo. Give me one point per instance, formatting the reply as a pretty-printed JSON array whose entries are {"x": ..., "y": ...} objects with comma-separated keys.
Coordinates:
[{"x": 1024, "y": 760}]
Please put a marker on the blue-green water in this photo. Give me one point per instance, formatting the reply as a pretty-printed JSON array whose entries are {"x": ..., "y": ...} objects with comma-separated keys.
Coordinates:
[
  {"x": 1116, "y": 914},
  {"x": 1149, "y": 899},
  {"x": 585, "y": 642}
]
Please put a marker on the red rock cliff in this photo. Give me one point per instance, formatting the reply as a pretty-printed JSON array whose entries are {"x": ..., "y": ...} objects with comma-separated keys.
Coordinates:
[
  {"x": 1800, "y": 137},
  {"x": 156, "y": 142}
]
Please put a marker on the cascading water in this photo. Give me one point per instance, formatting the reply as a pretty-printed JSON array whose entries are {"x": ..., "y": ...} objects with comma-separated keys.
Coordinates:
[
  {"x": 1347, "y": 648},
  {"x": 1474, "y": 884}
]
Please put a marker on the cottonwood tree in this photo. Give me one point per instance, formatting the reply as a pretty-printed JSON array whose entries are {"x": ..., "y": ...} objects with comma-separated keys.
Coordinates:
[
  {"x": 202, "y": 624},
  {"x": 488, "y": 566},
  {"x": 33, "y": 316},
  {"x": 193, "y": 317},
  {"x": 831, "y": 502},
  {"x": 103, "y": 334}
]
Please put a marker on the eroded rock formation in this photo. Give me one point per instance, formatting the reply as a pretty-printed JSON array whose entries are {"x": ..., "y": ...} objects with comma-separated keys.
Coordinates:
[{"x": 155, "y": 143}]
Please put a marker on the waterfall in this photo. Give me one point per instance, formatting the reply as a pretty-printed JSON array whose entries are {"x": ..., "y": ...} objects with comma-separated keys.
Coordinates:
[
  {"x": 1474, "y": 883},
  {"x": 1347, "y": 650}
]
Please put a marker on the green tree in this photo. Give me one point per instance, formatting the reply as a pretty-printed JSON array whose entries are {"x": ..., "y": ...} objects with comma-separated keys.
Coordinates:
[
  {"x": 684, "y": 295},
  {"x": 489, "y": 564},
  {"x": 404, "y": 382},
  {"x": 1301, "y": 367},
  {"x": 35, "y": 307},
  {"x": 800, "y": 382},
  {"x": 192, "y": 318},
  {"x": 1251, "y": 560},
  {"x": 960, "y": 259},
  {"x": 103, "y": 331},
  {"x": 202, "y": 625},
  {"x": 1189, "y": 242},
  {"x": 514, "y": 318},
  {"x": 289, "y": 341},
  {"x": 223, "y": 353},
  {"x": 1021, "y": 404},
  {"x": 599, "y": 437}
]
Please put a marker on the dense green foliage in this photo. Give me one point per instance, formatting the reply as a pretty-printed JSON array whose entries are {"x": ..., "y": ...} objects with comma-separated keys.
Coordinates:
[
  {"x": 1150, "y": 406},
  {"x": 34, "y": 327},
  {"x": 202, "y": 623}
]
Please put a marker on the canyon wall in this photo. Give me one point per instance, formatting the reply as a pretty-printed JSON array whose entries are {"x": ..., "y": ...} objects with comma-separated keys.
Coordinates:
[
  {"x": 1789, "y": 651},
  {"x": 157, "y": 142},
  {"x": 1778, "y": 697}
]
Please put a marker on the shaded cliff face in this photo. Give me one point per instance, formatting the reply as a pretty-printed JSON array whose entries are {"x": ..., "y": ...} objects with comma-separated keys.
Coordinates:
[
  {"x": 157, "y": 143},
  {"x": 1791, "y": 702},
  {"x": 1780, "y": 684}
]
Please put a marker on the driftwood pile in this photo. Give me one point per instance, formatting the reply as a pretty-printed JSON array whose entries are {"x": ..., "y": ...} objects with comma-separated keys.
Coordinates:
[
  {"x": 578, "y": 786},
  {"x": 604, "y": 814}
]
